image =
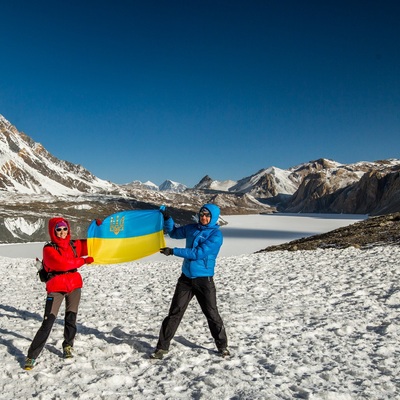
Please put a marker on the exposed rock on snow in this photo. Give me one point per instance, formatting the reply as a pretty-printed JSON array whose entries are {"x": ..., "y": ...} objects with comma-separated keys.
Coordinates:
[{"x": 372, "y": 232}]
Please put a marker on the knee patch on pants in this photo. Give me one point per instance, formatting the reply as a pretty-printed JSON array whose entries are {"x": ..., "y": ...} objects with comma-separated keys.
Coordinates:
[
  {"x": 70, "y": 317},
  {"x": 48, "y": 321}
]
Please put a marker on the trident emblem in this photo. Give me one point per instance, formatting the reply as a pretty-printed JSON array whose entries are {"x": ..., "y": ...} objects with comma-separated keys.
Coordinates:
[{"x": 117, "y": 225}]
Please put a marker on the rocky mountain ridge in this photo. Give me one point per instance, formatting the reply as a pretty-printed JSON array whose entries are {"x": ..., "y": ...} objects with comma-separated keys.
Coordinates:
[
  {"x": 26, "y": 167},
  {"x": 34, "y": 185},
  {"x": 325, "y": 186}
]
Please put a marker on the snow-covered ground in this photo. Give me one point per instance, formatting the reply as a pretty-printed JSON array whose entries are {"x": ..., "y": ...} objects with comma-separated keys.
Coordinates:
[{"x": 318, "y": 324}]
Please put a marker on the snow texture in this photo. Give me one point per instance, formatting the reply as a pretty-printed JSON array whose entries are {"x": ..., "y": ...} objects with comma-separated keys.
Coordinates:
[{"x": 320, "y": 324}]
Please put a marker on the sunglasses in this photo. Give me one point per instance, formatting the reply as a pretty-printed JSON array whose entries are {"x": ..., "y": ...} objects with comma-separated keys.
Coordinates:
[
  {"x": 205, "y": 214},
  {"x": 61, "y": 229}
]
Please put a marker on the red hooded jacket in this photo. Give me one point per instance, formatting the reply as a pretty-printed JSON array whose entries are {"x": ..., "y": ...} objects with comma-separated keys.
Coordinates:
[{"x": 63, "y": 259}]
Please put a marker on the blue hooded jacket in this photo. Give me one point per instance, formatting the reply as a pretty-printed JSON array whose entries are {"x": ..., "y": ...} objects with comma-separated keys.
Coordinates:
[{"x": 202, "y": 244}]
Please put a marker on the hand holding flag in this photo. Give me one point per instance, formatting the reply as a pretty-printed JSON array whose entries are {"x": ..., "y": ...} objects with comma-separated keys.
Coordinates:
[
  {"x": 126, "y": 236},
  {"x": 167, "y": 251}
]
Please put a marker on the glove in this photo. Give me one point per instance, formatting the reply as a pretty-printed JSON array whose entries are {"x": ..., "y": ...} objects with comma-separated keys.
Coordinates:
[
  {"x": 99, "y": 222},
  {"x": 89, "y": 260},
  {"x": 165, "y": 214},
  {"x": 167, "y": 251}
]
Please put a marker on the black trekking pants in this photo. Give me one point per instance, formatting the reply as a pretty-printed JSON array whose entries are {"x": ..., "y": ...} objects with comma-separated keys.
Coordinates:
[
  {"x": 204, "y": 291},
  {"x": 53, "y": 303}
]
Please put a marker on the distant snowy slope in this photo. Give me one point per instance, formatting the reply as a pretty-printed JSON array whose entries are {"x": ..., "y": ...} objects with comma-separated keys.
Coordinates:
[
  {"x": 138, "y": 185},
  {"x": 270, "y": 181},
  {"x": 222, "y": 185},
  {"x": 20, "y": 227},
  {"x": 267, "y": 182}
]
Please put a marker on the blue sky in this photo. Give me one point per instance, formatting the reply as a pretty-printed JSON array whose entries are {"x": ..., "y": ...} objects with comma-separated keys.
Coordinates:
[{"x": 155, "y": 90}]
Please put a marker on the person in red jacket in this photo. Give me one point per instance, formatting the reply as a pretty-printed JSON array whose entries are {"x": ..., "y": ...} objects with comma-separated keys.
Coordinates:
[{"x": 61, "y": 258}]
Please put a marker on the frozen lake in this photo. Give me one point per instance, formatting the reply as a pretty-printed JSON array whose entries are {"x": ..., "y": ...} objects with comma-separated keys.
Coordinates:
[{"x": 243, "y": 234}]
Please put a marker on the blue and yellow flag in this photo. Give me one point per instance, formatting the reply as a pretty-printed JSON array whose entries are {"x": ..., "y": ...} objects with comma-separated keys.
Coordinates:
[{"x": 126, "y": 236}]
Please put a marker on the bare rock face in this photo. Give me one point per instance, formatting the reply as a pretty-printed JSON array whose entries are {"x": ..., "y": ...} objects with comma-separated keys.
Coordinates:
[
  {"x": 343, "y": 191},
  {"x": 265, "y": 187},
  {"x": 319, "y": 190},
  {"x": 390, "y": 200},
  {"x": 375, "y": 193},
  {"x": 204, "y": 183}
]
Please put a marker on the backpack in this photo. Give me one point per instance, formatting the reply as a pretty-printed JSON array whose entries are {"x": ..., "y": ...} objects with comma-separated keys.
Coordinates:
[{"x": 44, "y": 275}]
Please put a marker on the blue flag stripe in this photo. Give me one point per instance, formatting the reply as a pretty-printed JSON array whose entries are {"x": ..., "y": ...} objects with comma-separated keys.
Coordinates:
[{"x": 127, "y": 224}]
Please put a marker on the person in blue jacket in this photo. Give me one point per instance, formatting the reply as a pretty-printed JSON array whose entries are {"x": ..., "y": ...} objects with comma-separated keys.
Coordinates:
[{"x": 203, "y": 242}]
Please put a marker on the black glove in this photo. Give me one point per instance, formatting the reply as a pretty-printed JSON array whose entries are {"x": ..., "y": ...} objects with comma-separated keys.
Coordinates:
[
  {"x": 165, "y": 214},
  {"x": 167, "y": 251}
]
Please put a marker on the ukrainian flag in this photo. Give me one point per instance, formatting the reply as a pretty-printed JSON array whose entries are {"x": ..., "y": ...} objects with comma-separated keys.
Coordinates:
[{"x": 126, "y": 236}]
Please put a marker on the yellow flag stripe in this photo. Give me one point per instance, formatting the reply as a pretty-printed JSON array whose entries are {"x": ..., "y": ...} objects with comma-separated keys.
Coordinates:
[{"x": 112, "y": 251}]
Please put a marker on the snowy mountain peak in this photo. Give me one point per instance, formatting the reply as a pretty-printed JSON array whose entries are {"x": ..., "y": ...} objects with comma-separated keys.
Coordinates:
[
  {"x": 4, "y": 120},
  {"x": 150, "y": 185},
  {"x": 27, "y": 167},
  {"x": 321, "y": 185},
  {"x": 171, "y": 186}
]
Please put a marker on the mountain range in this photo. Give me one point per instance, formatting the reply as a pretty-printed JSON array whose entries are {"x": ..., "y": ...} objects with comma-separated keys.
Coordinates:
[{"x": 35, "y": 185}]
